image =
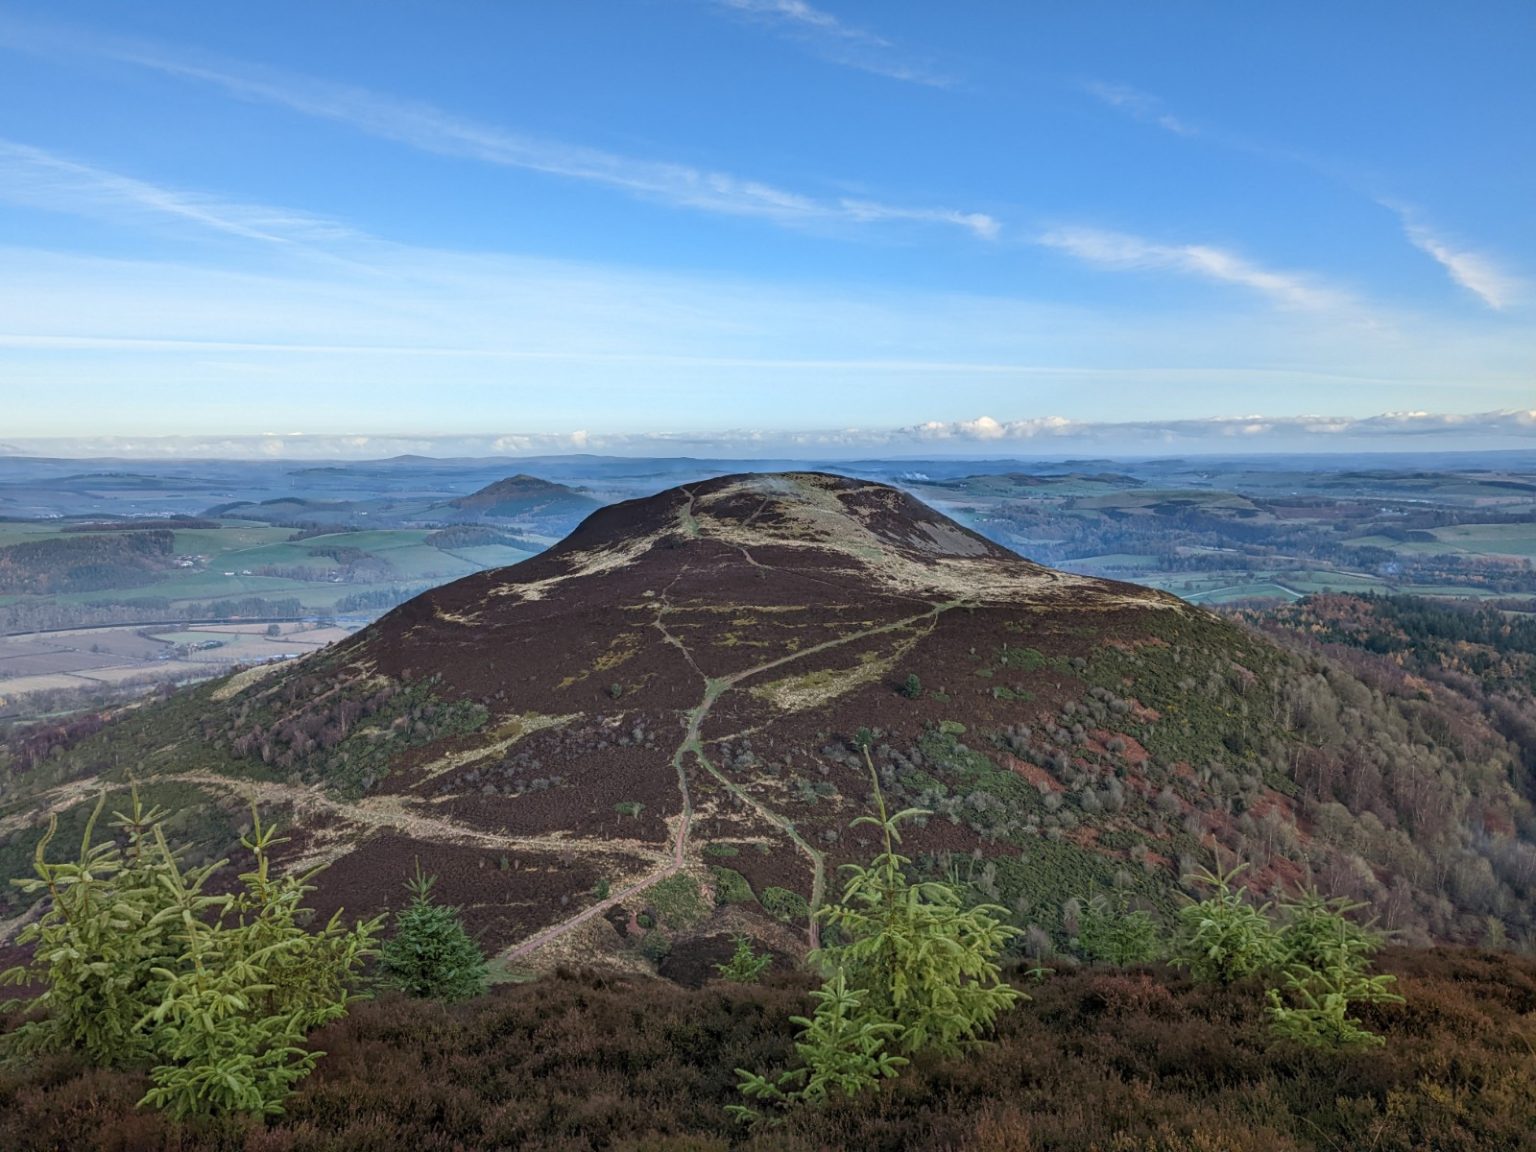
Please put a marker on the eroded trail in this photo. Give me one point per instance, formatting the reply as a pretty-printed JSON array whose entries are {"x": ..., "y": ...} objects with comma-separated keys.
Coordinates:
[
  {"x": 408, "y": 817},
  {"x": 679, "y": 855},
  {"x": 691, "y": 745},
  {"x": 371, "y": 813}
]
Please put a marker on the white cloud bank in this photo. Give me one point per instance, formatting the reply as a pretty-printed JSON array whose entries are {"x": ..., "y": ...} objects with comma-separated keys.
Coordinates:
[{"x": 982, "y": 436}]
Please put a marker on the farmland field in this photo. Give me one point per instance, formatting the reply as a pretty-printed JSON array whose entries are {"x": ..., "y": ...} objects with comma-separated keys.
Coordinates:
[
  {"x": 1222, "y": 532},
  {"x": 89, "y": 658}
]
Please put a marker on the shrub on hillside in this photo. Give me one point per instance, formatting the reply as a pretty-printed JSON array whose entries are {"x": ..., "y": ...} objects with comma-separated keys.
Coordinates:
[
  {"x": 1112, "y": 932},
  {"x": 1326, "y": 957},
  {"x": 782, "y": 904},
  {"x": 430, "y": 955},
  {"x": 915, "y": 969},
  {"x": 141, "y": 965},
  {"x": 745, "y": 965},
  {"x": 1224, "y": 937}
]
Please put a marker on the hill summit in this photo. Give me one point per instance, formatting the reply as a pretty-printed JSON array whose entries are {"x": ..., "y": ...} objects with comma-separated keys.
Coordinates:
[
  {"x": 655, "y": 733},
  {"x": 523, "y": 496}
]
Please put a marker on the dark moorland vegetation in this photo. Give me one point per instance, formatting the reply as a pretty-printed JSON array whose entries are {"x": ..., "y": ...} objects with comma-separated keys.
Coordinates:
[
  {"x": 1101, "y": 1060},
  {"x": 1315, "y": 762}
]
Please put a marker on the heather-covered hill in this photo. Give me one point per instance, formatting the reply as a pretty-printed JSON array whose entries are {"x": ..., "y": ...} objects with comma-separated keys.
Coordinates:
[{"x": 652, "y": 734}]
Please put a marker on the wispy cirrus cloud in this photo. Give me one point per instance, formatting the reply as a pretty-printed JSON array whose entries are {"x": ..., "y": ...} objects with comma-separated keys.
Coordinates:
[
  {"x": 37, "y": 178},
  {"x": 798, "y": 14},
  {"x": 1119, "y": 250},
  {"x": 430, "y": 129},
  {"x": 1475, "y": 271},
  {"x": 427, "y": 128},
  {"x": 1139, "y": 105},
  {"x": 835, "y": 40}
]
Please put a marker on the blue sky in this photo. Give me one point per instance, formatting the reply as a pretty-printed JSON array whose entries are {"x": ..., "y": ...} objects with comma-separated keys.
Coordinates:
[{"x": 767, "y": 226}]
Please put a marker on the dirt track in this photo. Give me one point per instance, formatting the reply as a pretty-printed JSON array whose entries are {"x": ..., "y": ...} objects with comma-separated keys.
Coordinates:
[{"x": 691, "y": 746}]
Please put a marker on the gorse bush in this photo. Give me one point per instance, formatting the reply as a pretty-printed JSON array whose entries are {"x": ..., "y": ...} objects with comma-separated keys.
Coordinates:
[
  {"x": 782, "y": 904},
  {"x": 676, "y": 901},
  {"x": 430, "y": 955},
  {"x": 731, "y": 887},
  {"x": 140, "y": 965}
]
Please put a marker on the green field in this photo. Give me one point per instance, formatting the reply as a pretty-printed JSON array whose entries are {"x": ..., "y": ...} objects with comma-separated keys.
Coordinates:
[
  {"x": 1491, "y": 539},
  {"x": 1255, "y": 591},
  {"x": 1518, "y": 540},
  {"x": 232, "y": 557},
  {"x": 1145, "y": 498},
  {"x": 1335, "y": 582},
  {"x": 1225, "y": 587},
  {"x": 235, "y": 535},
  {"x": 1112, "y": 560},
  {"x": 19, "y": 532}
]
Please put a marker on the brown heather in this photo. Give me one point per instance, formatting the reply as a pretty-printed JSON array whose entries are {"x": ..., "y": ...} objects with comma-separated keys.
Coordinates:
[{"x": 1136, "y": 1060}]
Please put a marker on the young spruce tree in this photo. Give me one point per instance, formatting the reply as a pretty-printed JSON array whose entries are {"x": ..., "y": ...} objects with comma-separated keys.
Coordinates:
[
  {"x": 141, "y": 965},
  {"x": 430, "y": 955},
  {"x": 917, "y": 970},
  {"x": 926, "y": 962},
  {"x": 1325, "y": 960},
  {"x": 1224, "y": 938}
]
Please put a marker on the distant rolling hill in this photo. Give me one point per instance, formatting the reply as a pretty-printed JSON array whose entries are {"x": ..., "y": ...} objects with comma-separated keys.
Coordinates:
[
  {"x": 527, "y": 499},
  {"x": 521, "y": 501},
  {"x": 658, "y": 725}
]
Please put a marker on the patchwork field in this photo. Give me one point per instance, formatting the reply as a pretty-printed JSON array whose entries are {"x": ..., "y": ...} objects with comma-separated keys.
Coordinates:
[
  {"x": 124, "y": 655},
  {"x": 1221, "y": 532}
]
